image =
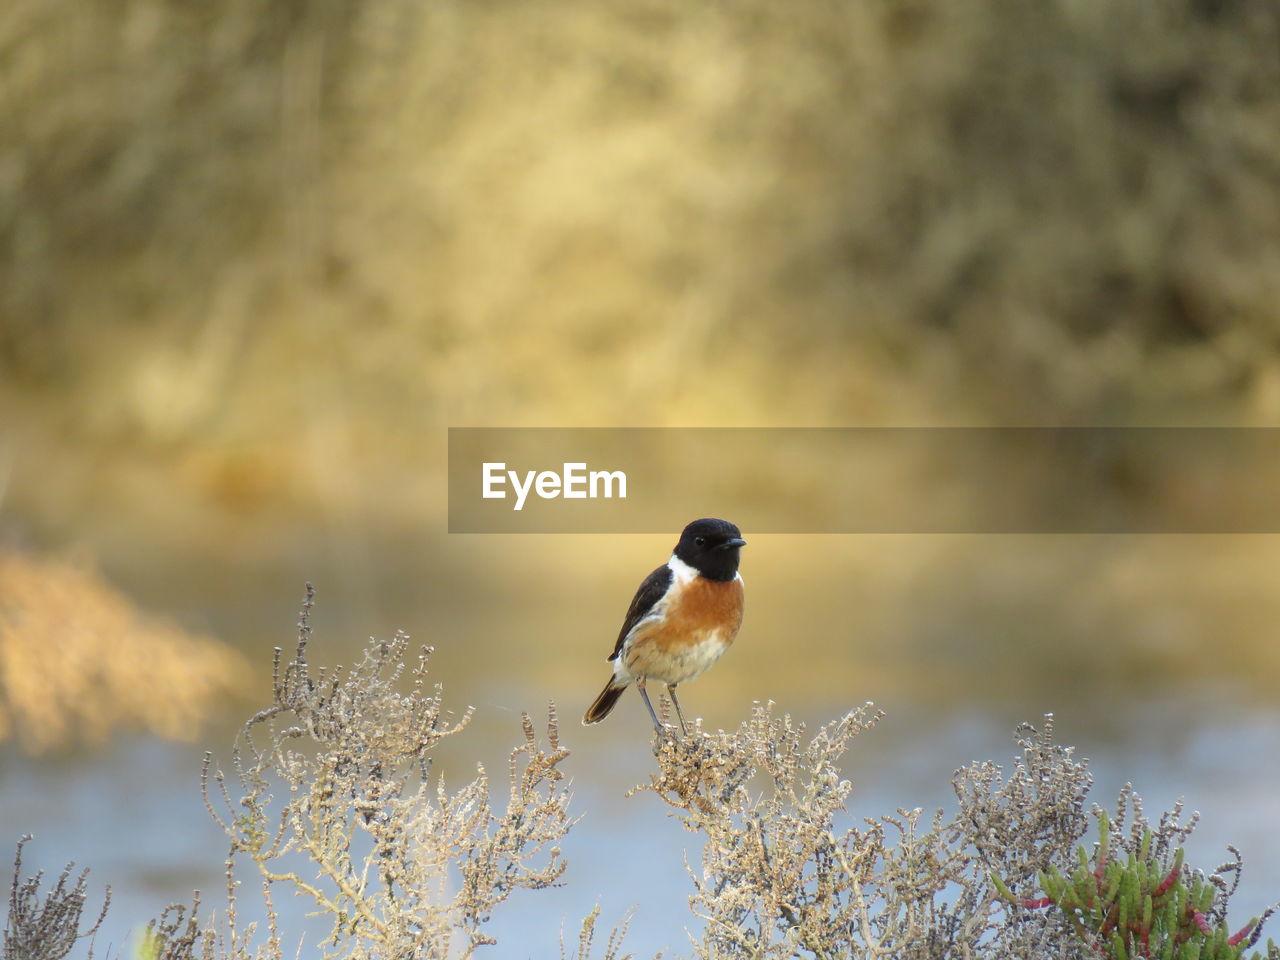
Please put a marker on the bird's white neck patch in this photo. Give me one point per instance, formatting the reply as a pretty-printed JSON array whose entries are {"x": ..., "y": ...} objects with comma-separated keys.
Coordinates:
[{"x": 682, "y": 572}]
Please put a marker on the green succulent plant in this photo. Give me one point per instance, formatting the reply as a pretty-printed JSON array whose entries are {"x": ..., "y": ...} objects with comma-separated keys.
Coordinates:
[{"x": 1139, "y": 904}]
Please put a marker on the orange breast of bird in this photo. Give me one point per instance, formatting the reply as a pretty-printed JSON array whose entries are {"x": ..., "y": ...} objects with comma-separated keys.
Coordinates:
[{"x": 700, "y": 623}]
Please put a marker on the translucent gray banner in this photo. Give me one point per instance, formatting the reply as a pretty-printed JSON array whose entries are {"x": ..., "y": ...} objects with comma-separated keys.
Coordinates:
[{"x": 865, "y": 480}]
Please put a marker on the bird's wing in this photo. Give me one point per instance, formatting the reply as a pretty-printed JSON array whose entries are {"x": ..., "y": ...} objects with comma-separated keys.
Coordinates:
[{"x": 653, "y": 589}]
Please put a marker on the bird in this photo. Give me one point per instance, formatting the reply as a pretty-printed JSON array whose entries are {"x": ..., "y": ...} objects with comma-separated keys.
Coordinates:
[{"x": 682, "y": 619}]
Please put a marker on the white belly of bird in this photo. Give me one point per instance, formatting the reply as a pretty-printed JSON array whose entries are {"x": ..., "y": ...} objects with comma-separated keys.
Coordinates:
[
  {"x": 695, "y": 661},
  {"x": 687, "y": 663}
]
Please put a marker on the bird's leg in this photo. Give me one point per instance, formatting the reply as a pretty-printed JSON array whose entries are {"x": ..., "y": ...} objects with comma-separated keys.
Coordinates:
[
  {"x": 645, "y": 697},
  {"x": 671, "y": 692}
]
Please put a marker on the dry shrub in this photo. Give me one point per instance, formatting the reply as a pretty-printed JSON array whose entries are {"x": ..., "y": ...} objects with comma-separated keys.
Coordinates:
[
  {"x": 399, "y": 865},
  {"x": 78, "y": 660},
  {"x": 785, "y": 874},
  {"x": 332, "y": 797},
  {"x": 47, "y": 927}
]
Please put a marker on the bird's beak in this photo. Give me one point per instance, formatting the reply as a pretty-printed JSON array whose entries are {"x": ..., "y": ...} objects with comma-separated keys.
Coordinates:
[{"x": 735, "y": 542}]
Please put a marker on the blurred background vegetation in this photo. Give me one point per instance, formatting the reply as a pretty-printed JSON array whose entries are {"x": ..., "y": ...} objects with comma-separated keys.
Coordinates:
[{"x": 255, "y": 256}]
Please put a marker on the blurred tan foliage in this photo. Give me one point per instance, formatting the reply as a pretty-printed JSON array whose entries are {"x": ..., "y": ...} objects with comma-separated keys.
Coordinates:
[
  {"x": 565, "y": 210},
  {"x": 78, "y": 661}
]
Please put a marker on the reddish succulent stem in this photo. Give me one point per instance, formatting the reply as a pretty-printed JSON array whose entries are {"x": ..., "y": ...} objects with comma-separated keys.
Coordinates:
[
  {"x": 1167, "y": 884},
  {"x": 1038, "y": 903},
  {"x": 1201, "y": 922},
  {"x": 1236, "y": 940},
  {"x": 1111, "y": 920}
]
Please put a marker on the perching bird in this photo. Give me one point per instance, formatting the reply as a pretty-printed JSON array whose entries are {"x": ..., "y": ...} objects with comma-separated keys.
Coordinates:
[{"x": 683, "y": 617}]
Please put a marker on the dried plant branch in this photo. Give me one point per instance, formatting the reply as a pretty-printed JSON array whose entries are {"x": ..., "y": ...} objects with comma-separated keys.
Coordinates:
[
  {"x": 777, "y": 873},
  {"x": 402, "y": 866},
  {"x": 586, "y": 937},
  {"x": 47, "y": 927}
]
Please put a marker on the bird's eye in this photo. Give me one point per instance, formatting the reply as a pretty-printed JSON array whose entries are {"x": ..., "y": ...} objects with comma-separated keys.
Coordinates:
[{"x": 700, "y": 541}]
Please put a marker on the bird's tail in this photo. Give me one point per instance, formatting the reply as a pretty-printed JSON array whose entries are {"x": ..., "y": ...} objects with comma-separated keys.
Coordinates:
[{"x": 603, "y": 703}]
